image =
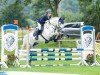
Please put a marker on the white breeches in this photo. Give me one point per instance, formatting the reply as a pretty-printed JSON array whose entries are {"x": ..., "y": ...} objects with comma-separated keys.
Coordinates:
[{"x": 39, "y": 26}]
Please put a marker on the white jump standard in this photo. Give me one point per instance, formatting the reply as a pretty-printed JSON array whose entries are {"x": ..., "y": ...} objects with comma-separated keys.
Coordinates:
[
  {"x": 9, "y": 41},
  {"x": 88, "y": 41}
]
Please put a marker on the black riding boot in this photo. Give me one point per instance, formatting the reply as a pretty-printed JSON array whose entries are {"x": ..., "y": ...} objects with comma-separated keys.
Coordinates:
[{"x": 38, "y": 33}]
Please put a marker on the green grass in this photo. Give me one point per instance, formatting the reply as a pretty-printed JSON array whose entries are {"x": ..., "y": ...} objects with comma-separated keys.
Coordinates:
[
  {"x": 82, "y": 70},
  {"x": 56, "y": 45}
]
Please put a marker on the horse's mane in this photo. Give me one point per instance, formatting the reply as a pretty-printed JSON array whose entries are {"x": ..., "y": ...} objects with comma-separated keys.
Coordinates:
[
  {"x": 54, "y": 18},
  {"x": 53, "y": 21}
]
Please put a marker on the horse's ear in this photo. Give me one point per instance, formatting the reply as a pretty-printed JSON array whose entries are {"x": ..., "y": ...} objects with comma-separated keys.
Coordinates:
[{"x": 62, "y": 18}]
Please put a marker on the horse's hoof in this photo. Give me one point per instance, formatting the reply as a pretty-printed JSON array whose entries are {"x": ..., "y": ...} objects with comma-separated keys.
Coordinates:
[
  {"x": 35, "y": 44},
  {"x": 46, "y": 41}
]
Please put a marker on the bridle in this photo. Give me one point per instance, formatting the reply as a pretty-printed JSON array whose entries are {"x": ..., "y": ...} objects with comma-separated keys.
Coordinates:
[{"x": 57, "y": 27}]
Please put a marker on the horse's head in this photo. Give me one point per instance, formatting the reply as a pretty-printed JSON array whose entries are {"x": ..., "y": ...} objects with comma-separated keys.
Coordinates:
[
  {"x": 61, "y": 21},
  {"x": 56, "y": 21}
]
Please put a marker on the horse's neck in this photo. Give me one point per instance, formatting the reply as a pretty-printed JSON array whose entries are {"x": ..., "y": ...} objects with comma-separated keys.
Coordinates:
[{"x": 54, "y": 21}]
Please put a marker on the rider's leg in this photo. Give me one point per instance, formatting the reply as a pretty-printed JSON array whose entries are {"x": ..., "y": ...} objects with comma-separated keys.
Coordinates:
[
  {"x": 42, "y": 28},
  {"x": 39, "y": 26},
  {"x": 38, "y": 31}
]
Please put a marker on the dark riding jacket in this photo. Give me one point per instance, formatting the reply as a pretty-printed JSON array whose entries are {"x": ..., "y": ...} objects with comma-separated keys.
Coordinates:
[{"x": 43, "y": 19}]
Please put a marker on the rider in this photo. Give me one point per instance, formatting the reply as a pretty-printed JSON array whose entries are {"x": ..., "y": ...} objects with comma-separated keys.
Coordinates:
[{"x": 41, "y": 22}]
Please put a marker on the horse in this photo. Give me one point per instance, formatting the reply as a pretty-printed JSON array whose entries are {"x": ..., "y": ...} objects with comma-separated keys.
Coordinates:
[{"x": 51, "y": 28}]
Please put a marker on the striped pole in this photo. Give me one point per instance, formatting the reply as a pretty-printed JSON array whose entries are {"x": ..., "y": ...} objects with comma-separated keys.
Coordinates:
[{"x": 55, "y": 54}]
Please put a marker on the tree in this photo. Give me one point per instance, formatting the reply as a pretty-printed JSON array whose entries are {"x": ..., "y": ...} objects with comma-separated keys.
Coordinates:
[
  {"x": 12, "y": 12},
  {"x": 70, "y": 13},
  {"x": 91, "y": 10},
  {"x": 53, "y": 4},
  {"x": 40, "y": 6},
  {"x": 72, "y": 17}
]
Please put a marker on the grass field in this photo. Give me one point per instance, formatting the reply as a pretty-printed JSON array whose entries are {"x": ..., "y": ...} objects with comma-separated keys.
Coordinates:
[{"x": 82, "y": 70}]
